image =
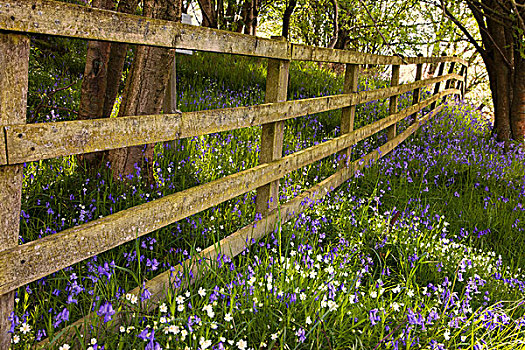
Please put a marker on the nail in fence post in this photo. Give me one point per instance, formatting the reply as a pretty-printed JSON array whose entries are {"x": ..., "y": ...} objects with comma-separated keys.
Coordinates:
[
  {"x": 348, "y": 113},
  {"x": 272, "y": 133},
  {"x": 417, "y": 92},
  {"x": 391, "y": 131},
  {"x": 436, "y": 88},
  {"x": 14, "y": 68}
]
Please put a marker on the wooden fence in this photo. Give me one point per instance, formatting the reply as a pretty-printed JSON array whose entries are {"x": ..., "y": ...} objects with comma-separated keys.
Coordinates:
[{"x": 21, "y": 142}]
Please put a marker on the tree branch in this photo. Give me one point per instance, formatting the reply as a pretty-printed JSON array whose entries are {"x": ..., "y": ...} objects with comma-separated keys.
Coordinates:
[
  {"x": 496, "y": 17},
  {"x": 480, "y": 15},
  {"x": 463, "y": 29},
  {"x": 204, "y": 12},
  {"x": 376, "y": 27},
  {"x": 335, "y": 24},
  {"x": 518, "y": 14},
  {"x": 505, "y": 59},
  {"x": 288, "y": 11},
  {"x": 492, "y": 10}
]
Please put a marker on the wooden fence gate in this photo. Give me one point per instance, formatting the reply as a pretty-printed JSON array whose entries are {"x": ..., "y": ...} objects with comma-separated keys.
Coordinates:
[{"x": 21, "y": 264}]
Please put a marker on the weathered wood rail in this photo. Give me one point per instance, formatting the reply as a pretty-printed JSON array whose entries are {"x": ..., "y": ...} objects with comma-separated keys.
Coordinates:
[{"x": 21, "y": 142}]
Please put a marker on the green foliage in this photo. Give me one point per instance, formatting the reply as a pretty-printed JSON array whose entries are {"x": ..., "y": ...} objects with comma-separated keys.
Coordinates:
[
  {"x": 363, "y": 25},
  {"x": 56, "y": 66},
  {"x": 310, "y": 22},
  {"x": 345, "y": 274}
]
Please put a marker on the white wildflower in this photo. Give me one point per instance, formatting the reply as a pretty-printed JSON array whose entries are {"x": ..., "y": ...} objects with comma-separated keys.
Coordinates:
[
  {"x": 242, "y": 344},
  {"x": 163, "y": 308},
  {"x": 395, "y": 306},
  {"x": 25, "y": 328},
  {"x": 174, "y": 329},
  {"x": 209, "y": 310},
  {"x": 204, "y": 343}
]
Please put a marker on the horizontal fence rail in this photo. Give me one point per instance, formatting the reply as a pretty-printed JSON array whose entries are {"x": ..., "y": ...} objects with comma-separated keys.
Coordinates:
[
  {"x": 75, "y": 21},
  {"x": 31, "y": 261},
  {"x": 21, "y": 264},
  {"x": 31, "y": 142}
]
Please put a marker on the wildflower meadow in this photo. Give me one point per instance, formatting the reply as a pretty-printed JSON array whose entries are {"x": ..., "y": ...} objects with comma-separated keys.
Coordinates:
[{"x": 421, "y": 250}]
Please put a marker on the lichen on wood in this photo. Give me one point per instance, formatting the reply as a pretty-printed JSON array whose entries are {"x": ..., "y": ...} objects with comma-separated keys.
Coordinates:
[
  {"x": 70, "y": 20},
  {"x": 47, "y": 140},
  {"x": 272, "y": 134},
  {"x": 14, "y": 70},
  {"x": 321, "y": 54},
  {"x": 63, "y": 19}
]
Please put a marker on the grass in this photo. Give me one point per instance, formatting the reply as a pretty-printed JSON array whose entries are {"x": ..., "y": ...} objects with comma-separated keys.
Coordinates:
[{"x": 421, "y": 250}]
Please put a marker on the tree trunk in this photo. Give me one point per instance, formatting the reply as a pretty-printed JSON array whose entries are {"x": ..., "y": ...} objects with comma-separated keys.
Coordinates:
[
  {"x": 241, "y": 23},
  {"x": 335, "y": 24},
  {"x": 144, "y": 92},
  {"x": 517, "y": 110},
  {"x": 102, "y": 75},
  {"x": 94, "y": 86},
  {"x": 209, "y": 14},
  {"x": 286, "y": 17},
  {"x": 497, "y": 59},
  {"x": 498, "y": 56},
  {"x": 500, "y": 78},
  {"x": 220, "y": 14},
  {"x": 248, "y": 19},
  {"x": 229, "y": 17},
  {"x": 503, "y": 42},
  {"x": 342, "y": 40},
  {"x": 117, "y": 57},
  {"x": 255, "y": 16}
]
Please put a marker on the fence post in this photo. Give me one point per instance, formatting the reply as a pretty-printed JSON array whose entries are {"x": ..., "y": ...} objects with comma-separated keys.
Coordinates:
[
  {"x": 169, "y": 104},
  {"x": 436, "y": 88},
  {"x": 391, "y": 131},
  {"x": 416, "y": 96},
  {"x": 459, "y": 84},
  {"x": 272, "y": 133},
  {"x": 448, "y": 84},
  {"x": 14, "y": 70},
  {"x": 348, "y": 113},
  {"x": 463, "y": 84}
]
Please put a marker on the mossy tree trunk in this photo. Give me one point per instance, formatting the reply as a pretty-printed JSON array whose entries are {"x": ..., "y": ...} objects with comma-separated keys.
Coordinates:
[
  {"x": 144, "y": 92},
  {"x": 101, "y": 81},
  {"x": 94, "y": 85}
]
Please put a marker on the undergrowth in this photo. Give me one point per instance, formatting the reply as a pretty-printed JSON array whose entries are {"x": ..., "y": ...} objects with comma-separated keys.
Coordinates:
[{"x": 422, "y": 249}]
